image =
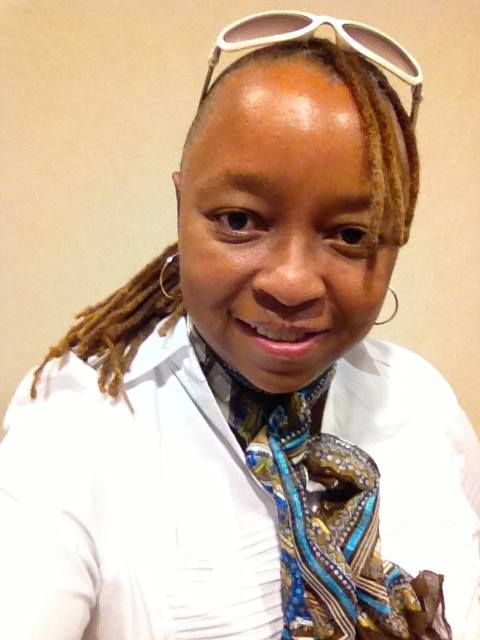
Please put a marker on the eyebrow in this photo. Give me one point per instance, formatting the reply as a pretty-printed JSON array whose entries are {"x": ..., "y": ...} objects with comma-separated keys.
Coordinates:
[
  {"x": 351, "y": 203},
  {"x": 260, "y": 185},
  {"x": 249, "y": 182}
]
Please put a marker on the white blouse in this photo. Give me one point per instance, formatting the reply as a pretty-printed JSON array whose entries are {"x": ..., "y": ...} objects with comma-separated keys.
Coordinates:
[{"x": 148, "y": 526}]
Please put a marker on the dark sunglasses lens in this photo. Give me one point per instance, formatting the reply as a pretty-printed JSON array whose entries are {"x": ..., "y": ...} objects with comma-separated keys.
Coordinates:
[
  {"x": 265, "y": 26},
  {"x": 381, "y": 46}
]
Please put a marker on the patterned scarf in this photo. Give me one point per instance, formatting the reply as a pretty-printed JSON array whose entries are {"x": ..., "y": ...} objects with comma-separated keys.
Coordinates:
[{"x": 334, "y": 582}]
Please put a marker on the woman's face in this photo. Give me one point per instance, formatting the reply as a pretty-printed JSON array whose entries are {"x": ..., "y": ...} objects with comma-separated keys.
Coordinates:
[{"x": 273, "y": 212}]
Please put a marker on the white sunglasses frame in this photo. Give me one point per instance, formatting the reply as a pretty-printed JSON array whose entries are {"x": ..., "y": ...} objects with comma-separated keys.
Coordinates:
[{"x": 342, "y": 39}]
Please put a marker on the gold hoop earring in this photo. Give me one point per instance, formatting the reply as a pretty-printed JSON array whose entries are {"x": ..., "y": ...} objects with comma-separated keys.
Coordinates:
[
  {"x": 167, "y": 262},
  {"x": 395, "y": 311}
]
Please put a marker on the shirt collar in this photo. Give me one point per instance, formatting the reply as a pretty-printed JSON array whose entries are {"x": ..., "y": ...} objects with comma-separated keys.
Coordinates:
[{"x": 157, "y": 349}]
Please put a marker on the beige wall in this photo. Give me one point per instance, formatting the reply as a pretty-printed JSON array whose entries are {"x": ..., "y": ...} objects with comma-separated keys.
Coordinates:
[{"x": 95, "y": 99}]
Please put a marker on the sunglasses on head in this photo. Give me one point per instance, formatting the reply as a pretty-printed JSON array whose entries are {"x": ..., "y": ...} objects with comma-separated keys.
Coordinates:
[{"x": 267, "y": 28}]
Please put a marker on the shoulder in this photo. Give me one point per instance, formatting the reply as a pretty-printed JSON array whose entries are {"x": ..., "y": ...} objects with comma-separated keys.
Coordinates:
[
  {"x": 71, "y": 424},
  {"x": 68, "y": 386},
  {"x": 66, "y": 450},
  {"x": 394, "y": 370},
  {"x": 67, "y": 392},
  {"x": 60, "y": 375},
  {"x": 385, "y": 392},
  {"x": 394, "y": 361}
]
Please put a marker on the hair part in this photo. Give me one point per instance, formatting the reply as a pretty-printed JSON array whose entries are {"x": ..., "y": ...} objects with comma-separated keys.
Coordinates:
[{"x": 112, "y": 331}]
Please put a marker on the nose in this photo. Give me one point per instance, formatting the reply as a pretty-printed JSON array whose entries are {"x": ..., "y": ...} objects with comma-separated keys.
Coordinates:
[{"x": 292, "y": 277}]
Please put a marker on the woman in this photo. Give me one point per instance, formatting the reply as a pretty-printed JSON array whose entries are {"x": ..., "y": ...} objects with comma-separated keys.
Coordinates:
[{"x": 224, "y": 482}]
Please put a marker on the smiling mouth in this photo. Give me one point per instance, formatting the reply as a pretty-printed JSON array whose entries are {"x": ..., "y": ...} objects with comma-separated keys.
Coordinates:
[{"x": 281, "y": 334}]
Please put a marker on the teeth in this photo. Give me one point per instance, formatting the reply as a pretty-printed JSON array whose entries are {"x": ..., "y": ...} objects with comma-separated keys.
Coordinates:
[{"x": 280, "y": 335}]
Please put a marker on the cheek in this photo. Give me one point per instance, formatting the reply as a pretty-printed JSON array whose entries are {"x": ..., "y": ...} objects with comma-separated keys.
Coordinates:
[
  {"x": 358, "y": 291},
  {"x": 211, "y": 276},
  {"x": 198, "y": 280},
  {"x": 197, "y": 271}
]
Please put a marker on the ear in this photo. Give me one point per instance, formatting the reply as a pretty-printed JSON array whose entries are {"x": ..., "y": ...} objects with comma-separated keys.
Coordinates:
[{"x": 176, "y": 182}]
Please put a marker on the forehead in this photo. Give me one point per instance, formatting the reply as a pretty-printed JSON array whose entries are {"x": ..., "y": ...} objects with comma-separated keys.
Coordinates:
[
  {"x": 292, "y": 126},
  {"x": 286, "y": 117},
  {"x": 305, "y": 92}
]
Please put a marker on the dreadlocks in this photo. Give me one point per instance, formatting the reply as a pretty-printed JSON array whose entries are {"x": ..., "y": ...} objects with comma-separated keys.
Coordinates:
[{"x": 113, "y": 330}]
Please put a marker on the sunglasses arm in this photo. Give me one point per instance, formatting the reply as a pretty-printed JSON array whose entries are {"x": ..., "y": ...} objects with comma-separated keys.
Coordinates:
[
  {"x": 212, "y": 63},
  {"x": 416, "y": 100}
]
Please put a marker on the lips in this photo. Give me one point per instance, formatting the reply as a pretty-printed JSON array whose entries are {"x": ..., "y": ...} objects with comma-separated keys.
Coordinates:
[
  {"x": 283, "y": 344},
  {"x": 282, "y": 333}
]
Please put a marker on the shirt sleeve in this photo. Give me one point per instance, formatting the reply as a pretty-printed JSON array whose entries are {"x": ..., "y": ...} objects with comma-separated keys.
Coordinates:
[
  {"x": 465, "y": 447},
  {"x": 48, "y": 567},
  {"x": 46, "y": 573}
]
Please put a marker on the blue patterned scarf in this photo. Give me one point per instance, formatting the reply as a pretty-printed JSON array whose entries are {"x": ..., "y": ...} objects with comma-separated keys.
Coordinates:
[{"x": 334, "y": 581}]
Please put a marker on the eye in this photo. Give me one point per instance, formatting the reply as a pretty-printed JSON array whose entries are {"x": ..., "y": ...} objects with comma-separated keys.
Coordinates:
[
  {"x": 236, "y": 220},
  {"x": 237, "y": 225},
  {"x": 351, "y": 241},
  {"x": 352, "y": 235}
]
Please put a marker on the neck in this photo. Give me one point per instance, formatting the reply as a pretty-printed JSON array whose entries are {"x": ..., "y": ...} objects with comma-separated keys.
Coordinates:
[
  {"x": 317, "y": 414},
  {"x": 215, "y": 370}
]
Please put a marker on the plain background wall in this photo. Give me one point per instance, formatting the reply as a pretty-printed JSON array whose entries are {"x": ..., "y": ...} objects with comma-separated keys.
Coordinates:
[{"x": 95, "y": 100}]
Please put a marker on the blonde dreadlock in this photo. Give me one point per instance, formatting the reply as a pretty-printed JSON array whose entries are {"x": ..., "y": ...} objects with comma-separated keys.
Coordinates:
[{"x": 113, "y": 330}]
